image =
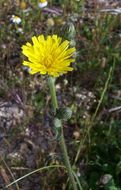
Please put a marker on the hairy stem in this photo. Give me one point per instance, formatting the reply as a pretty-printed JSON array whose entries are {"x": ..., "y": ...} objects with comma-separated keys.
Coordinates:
[{"x": 51, "y": 83}]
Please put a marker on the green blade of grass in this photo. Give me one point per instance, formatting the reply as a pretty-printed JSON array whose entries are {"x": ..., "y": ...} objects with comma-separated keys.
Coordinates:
[
  {"x": 30, "y": 173},
  {"x": 111, "y": 70}
]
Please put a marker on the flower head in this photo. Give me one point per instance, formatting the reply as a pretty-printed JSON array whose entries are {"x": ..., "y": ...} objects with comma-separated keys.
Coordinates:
[
  {"x": 48, "y": 55},
  {"x": 15, "y": 19},
  {"x": 42, "y": 3},
  {"x": 23, "y": 5}
]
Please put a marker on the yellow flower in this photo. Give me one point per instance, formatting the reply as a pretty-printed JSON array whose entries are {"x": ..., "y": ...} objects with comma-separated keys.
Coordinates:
[{"x": 48, "y": 56}]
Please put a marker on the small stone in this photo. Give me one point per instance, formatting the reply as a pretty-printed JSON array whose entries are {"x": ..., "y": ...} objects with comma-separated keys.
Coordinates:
[{"x": 76, "y": 134}]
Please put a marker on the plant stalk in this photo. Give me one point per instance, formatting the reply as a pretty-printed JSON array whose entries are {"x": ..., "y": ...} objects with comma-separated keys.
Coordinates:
[
  {"x": 51, "y": 83},
  {"x": 66, "y": 160}
]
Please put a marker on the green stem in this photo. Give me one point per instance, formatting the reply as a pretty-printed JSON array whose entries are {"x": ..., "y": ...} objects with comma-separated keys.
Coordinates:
[
  {"x": 103, "y": 92},
  {"x": 51, "y": 83},
  {"x": 67, "y": 161},
  {"x": 30, "y": 173},
  {"x": 111, "y": 70}
]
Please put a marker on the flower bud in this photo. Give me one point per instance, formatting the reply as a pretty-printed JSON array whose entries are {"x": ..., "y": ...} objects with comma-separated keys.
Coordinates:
[{"x": 64, "y": 113}]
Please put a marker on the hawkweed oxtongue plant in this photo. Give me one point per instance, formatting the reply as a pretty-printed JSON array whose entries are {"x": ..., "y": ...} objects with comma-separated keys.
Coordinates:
[{"x": 52, "y": 56}]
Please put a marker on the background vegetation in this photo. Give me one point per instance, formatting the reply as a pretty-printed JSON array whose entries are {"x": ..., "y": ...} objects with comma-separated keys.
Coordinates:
[{"x": 92, "y": 91}]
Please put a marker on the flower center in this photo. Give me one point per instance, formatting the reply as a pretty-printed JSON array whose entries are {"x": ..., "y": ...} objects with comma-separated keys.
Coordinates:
[{"x": 48, "y": 61}]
